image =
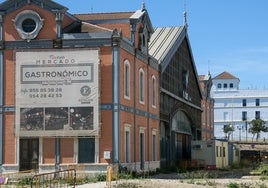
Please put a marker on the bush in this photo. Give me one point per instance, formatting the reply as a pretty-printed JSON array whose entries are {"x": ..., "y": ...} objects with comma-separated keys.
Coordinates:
[
  {"x": 237, "y": 165},
  {"x": 261, "y": 169},
  {"x": 25, "y": 181},
  {"x": 101, "y": 177},
  {"x": 233, "y": 185}
]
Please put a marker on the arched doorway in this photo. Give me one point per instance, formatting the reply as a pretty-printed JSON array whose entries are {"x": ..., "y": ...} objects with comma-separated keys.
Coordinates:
[{"x": 181, "y": 136}]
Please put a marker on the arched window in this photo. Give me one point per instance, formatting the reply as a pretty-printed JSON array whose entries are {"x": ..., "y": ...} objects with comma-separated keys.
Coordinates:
[
  {"x": 126, "y": 79},
  {"x": 143, "y": 41},
  {"x": 181, "y": 123},
  {"x": 141, "y": 86},
  {"x": 140, "y": 42},
  {"x": 154, "y": 150},
  {"x": 153, "y": 91},
  {"x": 127, "y": 143}
]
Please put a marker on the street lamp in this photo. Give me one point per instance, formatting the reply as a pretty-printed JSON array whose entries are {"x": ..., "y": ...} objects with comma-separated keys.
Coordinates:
[
  {"x": 71, "y": 118},
  {"x": 239, "y": 127},
  {"x": 246, "y": 126}
]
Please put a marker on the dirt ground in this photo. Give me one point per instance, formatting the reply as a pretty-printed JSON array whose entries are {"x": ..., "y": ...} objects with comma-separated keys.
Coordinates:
[
  {"x": 193, "y": 183},
  {"x": 245, "y": 182},
  {"x": 199, "y": 179}
]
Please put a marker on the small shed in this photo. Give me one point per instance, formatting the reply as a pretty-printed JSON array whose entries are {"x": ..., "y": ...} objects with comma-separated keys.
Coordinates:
[
  {"x": 253, "y": 153},
  {"x": 213, "y": 152}
]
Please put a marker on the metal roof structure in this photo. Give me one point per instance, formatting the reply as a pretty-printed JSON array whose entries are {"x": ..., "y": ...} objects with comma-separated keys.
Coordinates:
[
  {"x": 163, "y": 40},
  {"x": 252, "y": 147}
]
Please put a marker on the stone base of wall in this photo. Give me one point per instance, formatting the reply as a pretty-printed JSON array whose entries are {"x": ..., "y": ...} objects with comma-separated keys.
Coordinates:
[
  {"x": 86, "y": 168},
  {"x": 10, "y": 168},
  {"x": 148, "y": 166}
]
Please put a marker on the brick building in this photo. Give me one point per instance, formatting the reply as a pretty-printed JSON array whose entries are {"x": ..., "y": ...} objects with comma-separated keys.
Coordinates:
[
  {"x": 207, "y": 106},
  {"x": 76, "y": 89}
]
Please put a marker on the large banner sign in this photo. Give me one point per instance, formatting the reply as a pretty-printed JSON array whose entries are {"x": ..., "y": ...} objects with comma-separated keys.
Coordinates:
[{"x": 57, "y": 93}]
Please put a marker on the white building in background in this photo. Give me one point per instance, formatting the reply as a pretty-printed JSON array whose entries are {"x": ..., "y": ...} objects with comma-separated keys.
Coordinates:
[{"x": 237, "y": 107}]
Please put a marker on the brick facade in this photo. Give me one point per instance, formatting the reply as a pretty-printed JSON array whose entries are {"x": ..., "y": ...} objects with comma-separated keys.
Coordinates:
[{"x": 140, "y": 119}]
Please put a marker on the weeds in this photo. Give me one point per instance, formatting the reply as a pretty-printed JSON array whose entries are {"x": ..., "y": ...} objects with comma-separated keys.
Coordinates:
[
  {"x": 128, "y": 185},
  {"x": 232, "y": 185},
  {"x": 198, "y": 175},
  {"x": 261, "y": 169}
]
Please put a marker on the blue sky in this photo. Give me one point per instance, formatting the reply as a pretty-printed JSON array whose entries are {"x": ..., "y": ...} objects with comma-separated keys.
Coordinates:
[{"x": 225, "y": 35}]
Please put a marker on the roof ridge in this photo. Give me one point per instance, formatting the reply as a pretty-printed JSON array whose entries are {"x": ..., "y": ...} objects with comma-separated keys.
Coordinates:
[
  {"x": 92, "y": 13},
  {"x": 97, "y": 26},
  {"x": 225, "y": 75}
]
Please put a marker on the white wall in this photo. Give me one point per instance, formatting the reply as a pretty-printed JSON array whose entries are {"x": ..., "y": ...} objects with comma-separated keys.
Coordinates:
[{"x": 228, "y": 109}]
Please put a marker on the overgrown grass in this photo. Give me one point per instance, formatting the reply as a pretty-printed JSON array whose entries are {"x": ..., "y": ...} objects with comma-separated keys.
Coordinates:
[
  {"x": 246, "y": 185},
  {"x": 24, "y": 181},
  {"x": 199, "y": 177},
  {"x": 200, "y": 174},
  {"x": 233, "y": 185},
  {"x": 91, "y": 179},
  {"x": 240, "y": 165},
  {"x": 262, "y": 169},
  {"x": 167, "y": 170}
]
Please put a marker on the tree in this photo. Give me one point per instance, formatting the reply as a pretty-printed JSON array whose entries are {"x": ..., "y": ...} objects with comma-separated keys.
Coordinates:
[
  {"x": 228, "y": 129},
  {"x": 257, "y": 126}
]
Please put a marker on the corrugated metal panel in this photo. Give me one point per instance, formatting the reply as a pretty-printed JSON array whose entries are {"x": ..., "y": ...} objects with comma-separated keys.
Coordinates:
[
  {"x": 162, "y": 41},
  {"x": 137, "y": 14}
]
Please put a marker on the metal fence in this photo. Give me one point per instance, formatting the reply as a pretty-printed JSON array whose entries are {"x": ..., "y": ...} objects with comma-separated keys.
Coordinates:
[{"x": 62, "y": 179}]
